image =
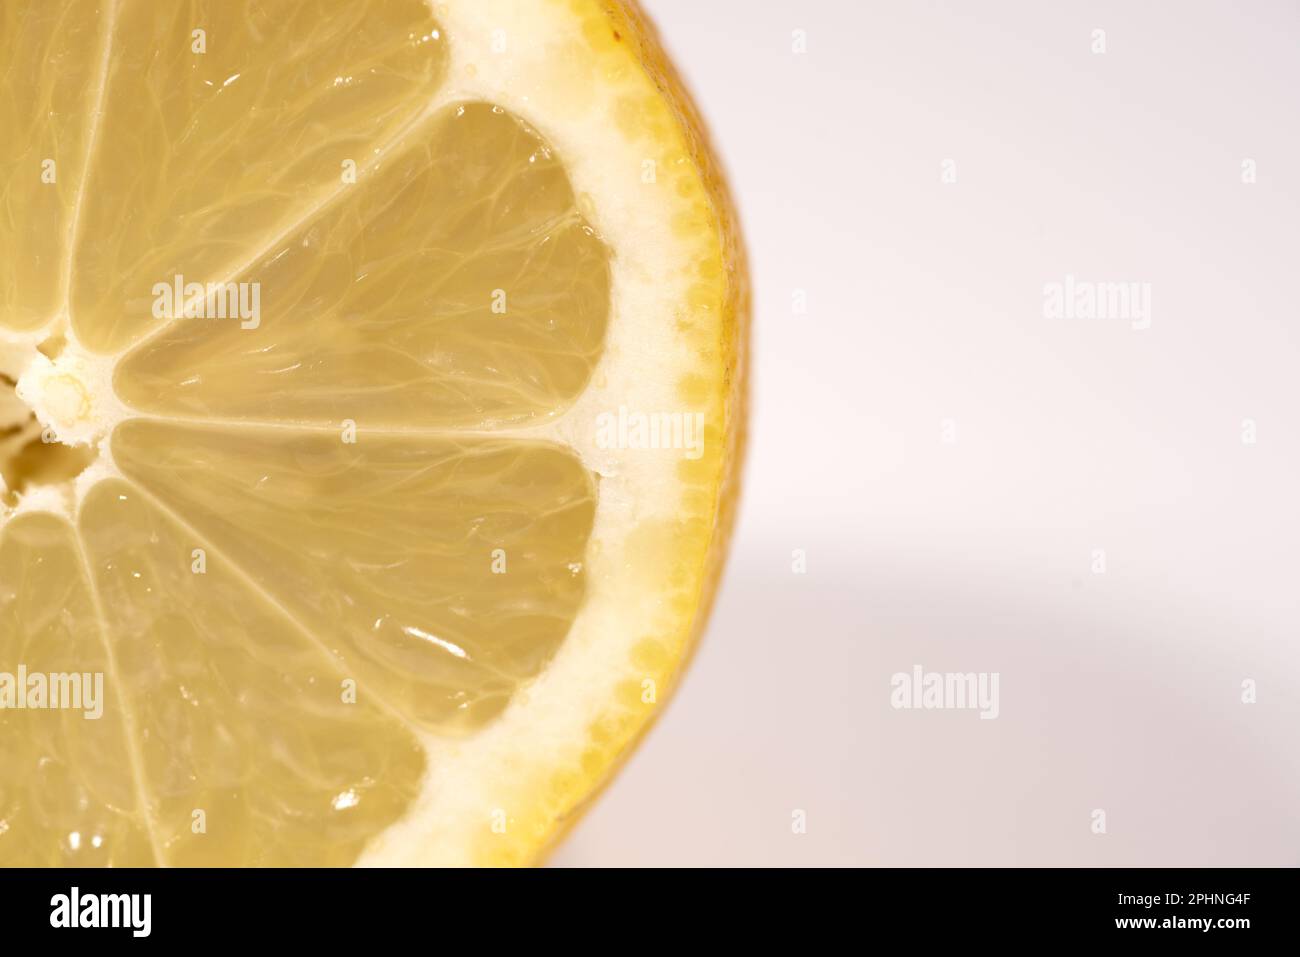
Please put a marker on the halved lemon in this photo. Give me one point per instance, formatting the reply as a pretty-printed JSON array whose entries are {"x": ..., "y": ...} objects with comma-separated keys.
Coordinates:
[{"x": 370, "y": 410}]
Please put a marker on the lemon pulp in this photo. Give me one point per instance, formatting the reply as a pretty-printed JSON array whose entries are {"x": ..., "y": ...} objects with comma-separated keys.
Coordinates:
[{"x": 316, "y": 518}]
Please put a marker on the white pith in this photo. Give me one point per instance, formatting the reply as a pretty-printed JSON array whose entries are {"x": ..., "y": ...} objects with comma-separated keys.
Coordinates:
[{"x": 470, "y": 780}]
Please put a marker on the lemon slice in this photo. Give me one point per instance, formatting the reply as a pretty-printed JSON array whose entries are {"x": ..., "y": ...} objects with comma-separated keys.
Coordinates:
[{"x": 370, "y": 405}]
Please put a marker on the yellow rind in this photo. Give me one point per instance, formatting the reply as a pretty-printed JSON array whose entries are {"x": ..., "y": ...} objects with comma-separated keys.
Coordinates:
[{"x": 622, "y": 40}]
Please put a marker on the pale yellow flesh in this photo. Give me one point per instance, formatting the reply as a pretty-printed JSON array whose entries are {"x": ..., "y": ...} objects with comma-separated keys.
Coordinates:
[{"x": 314, "y": 556}]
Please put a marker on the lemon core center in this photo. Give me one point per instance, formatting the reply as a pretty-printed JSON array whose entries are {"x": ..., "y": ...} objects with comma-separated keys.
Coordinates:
[{"x": 48, "y": 430}]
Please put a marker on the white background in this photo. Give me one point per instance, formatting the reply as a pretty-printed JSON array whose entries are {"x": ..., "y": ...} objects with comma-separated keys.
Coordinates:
[{"x": 1119, "y": 691}]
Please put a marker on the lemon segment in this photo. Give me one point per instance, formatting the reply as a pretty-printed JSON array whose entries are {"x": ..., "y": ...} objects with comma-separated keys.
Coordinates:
[
  {"x": 486, "y": 294},
  {"x": 441, "y": 573},
  {"x": 50, "y": 57},
  {"x": 67, "y": 792},
  {"x": 249, "y": 744},
  {"x": 224, "y": 122}
]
